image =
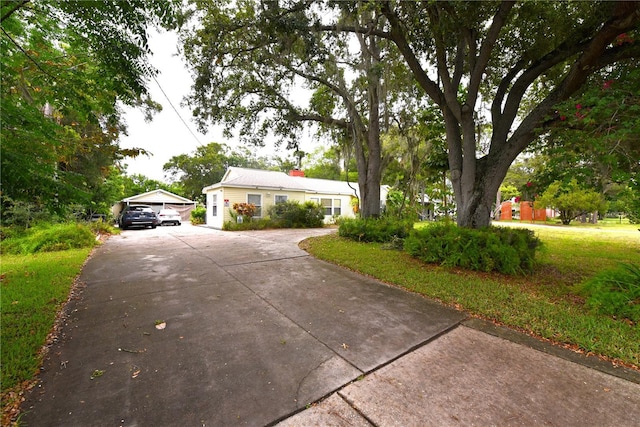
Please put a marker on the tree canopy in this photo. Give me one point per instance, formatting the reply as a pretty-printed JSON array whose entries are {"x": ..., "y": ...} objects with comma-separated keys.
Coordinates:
[
  {"x": 571, "y": 200},
  {"x": 270, "y": 68},
  {"x": 66, "y": 66},
  {"x": 206, "y": 166},
  {"x": 514, "y": 60},
  {"x": 496, "y": 70}
]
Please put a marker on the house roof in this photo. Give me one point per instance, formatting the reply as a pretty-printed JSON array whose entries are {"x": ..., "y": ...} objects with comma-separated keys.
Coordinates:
[
  {"x": 263, "y": 179},
  {"x": 157, "y": 196}
]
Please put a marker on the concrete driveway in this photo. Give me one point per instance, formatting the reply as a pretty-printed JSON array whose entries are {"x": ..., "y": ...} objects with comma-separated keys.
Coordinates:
[{"x": 256, "y": 332}]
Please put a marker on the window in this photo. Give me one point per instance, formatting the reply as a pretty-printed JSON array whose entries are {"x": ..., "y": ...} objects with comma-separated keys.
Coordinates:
[
  {"x": 256, "y": 199},
  {"x": 331, "y": 206},
  {"x": 337, "y": 207},
  {"x": 326, "y": 204},
  {"x": 281, "y": 198},
  {"x": 214, "y": 205}
]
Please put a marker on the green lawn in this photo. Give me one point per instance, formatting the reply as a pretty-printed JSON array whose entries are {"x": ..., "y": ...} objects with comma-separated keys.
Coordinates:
[
  {"x": 34, "y": 289},
  {"x": 543, "y": 304}
]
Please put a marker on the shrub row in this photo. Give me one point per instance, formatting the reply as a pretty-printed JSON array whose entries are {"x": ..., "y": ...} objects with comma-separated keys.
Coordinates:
[
  {"x": 385, "y": 229},
  {"x": 290, "y": 214},
  {"x": 510, "y": 251},
  {"x": 507, "y": 250}
]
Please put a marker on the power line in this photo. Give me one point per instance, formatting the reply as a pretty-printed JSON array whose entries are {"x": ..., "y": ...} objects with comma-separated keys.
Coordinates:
[{"x": 177, "y": 112}]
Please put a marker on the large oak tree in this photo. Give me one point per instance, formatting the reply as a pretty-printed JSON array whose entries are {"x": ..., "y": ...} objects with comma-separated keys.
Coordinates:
[
  {"x": 268, "y": 68},
  {"x": 509, "y": 63},
  {"x": 519, "y": 58}
]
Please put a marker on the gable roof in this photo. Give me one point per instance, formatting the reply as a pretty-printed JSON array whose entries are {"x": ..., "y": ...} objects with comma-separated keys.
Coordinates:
[
  {"x": 274, "y": 180},
  {"x": 157, "y": 196}
]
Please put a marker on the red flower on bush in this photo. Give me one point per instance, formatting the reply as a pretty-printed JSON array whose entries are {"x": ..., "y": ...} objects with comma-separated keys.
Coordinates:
[
  {"x": 623, "y": 38},
  {"x": 607, "y": 84}
]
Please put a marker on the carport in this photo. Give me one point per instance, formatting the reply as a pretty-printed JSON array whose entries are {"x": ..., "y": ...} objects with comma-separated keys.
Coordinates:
[{"x": 158, "y": 199}]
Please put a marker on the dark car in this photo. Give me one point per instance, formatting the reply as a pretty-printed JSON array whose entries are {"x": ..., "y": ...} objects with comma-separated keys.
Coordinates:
[{"x": 137, "y": 216}]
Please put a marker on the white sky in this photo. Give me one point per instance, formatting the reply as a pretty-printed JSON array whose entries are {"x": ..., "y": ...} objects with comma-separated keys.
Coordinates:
[{"x": 166, "y": 136}]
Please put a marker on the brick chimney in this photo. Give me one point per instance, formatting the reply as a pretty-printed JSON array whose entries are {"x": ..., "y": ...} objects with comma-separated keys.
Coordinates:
[{"x": 296, "y": 172}]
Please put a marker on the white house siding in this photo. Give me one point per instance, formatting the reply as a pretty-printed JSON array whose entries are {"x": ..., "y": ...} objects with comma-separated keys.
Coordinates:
[
  {"x": 227, "y": 196},
  {"x": 346, "y": 210},
  {"x": 217, "y": 220}
]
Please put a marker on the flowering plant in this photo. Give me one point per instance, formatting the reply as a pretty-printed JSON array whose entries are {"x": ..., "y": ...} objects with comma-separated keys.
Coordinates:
[
  {"x": 245, "y": 209},
  {"x": 528, "y": 193}
]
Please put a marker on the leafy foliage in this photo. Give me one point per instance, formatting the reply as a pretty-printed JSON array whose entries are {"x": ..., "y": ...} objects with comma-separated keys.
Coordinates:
[
  {"x": 138, "y": 184},
  {"x": 596, "y": 140},
  {"x": 384, "y": 229},
  {"x": 66, "y": 66},
  {"x": 398, "y": 205},
  {"x": 22, "y": 214},
  {"x": 510, "y": 251},
  {"x": 365, "y": 63},
  {"x": 615, "y": 292},
  {"x": 206, "y": 166},
  {"x": 571, "y": 200},
  {"x": 416, "y": 162},
  {"x": 49, "y": 238},
  {"x": 291, "y": 214},
  {"x": 274, "y": 69},
  {"x": 246, "y": 210},
  {"x": 198, "y": 215}
]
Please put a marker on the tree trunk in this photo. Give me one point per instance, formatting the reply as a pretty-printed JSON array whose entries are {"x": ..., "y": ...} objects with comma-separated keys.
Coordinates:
[
  {"x": 370, "y": 198},
  {"x": 475, "y": 212},
  {"x": 370, "y": 172},
  {"x": 476, "y": 194},
  {"x": 368, "y": 148}
]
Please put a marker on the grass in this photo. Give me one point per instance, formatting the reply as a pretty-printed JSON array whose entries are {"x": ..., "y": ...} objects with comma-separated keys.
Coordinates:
[
  {"x": 542, "y": 304},
  {"x": 34, "y": 289}
]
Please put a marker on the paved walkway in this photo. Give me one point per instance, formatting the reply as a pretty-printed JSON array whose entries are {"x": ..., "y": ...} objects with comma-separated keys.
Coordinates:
[{"x": 257, "y": 332}]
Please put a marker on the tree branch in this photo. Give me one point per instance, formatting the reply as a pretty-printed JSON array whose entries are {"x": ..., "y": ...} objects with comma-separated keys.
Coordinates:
[
  {"x": 18, "y": 5},
  {"x": 397, "y": 35},
  {"x": 330, "y": 121},
  {"x": 482, "y": 60}
]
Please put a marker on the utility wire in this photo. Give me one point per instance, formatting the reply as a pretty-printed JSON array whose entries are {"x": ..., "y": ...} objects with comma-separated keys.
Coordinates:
[{"x": 177, "y": 112}]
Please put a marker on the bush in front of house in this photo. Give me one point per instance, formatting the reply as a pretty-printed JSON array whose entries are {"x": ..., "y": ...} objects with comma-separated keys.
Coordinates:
[
  {"x": 291, "y": 214},
  {"x": 502, "y": 249},
  {"x": 198, "y": 215},
  {"x": 288, "y": 214},
  {"x": 252, "y": 224},
  {"x": 380, "y": 230}
]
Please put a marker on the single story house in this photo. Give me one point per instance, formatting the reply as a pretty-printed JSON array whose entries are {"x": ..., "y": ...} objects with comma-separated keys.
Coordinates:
[
  {"x": 265, "y": 188},
  {"x": 158, "y": 199}
]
